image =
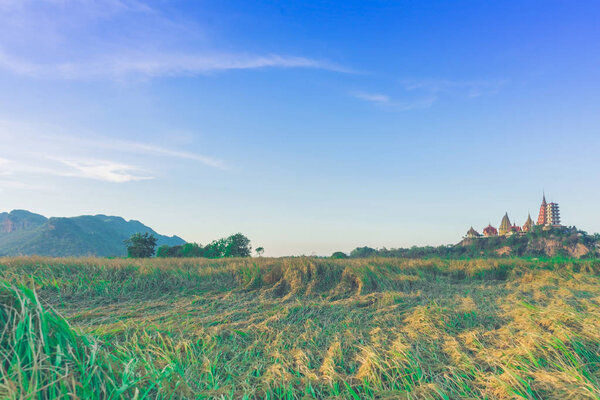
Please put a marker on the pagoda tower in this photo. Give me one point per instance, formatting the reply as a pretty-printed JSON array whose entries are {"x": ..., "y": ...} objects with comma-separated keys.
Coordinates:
[
  {"x": 528, "y": 224},
  {"x": 543, "y": 216},
  {"x": 549, "y": 214},
  {"x": 553, "y": 214},
  {"x": 505, "y": 225}
]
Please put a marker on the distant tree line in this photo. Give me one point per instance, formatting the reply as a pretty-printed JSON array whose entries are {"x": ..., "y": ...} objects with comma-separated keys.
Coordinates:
[
  {"x": 142, "y": 246},
  {"x": 236, "y": 245}
]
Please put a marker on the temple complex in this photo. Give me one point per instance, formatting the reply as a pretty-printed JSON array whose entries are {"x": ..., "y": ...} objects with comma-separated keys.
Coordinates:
[{"x": 549, "y": 216}]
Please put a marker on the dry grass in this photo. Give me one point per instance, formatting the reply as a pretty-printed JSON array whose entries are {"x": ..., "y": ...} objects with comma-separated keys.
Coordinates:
[{"x": 301, "y": 328}]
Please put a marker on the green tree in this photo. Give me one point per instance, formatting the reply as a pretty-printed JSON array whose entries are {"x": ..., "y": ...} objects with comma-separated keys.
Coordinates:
[
  {"x": 215, "y": 249},
  {"x": 237, "y": 245},
  {"x": 163, "y": 251},
  {"x": 141, "y": 246},
  {"x": 260, "y": 251},
  {"x": 168, "y": 251},
  {"x": 192, "y": 250},
  {"x": 339, "y": 254},
  {"x": 360, "y": 252}
]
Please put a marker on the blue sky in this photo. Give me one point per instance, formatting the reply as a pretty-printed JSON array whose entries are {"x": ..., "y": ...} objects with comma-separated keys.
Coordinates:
[{"x": 309, "y": 126}]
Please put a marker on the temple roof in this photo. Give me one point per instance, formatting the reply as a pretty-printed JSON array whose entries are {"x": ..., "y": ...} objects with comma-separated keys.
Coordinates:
[
  {"x": 528, "y": 224},
  {"x": 473, "y": 232},
  {"x": 489, "y": 229},
  {"x": 505, "y": 224}
]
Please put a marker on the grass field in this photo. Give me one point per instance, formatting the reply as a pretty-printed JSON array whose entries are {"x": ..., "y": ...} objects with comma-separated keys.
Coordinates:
[{"x": 299, "y": 328}]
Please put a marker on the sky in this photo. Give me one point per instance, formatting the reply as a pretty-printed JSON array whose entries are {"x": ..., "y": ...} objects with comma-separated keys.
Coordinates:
[{"x": 309, "y": 126}]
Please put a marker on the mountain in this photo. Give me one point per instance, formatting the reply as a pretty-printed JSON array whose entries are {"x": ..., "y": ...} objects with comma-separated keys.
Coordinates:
[{"x": 25, "y": 233}]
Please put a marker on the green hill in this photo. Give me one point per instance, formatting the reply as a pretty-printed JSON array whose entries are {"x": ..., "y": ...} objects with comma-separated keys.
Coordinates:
[{"x": 26, "y": 233}]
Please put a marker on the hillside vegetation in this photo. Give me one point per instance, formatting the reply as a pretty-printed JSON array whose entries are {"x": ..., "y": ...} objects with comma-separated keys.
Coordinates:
[
  {"x": 540, "y": 242},
  {"x": 299, "y": 328}
]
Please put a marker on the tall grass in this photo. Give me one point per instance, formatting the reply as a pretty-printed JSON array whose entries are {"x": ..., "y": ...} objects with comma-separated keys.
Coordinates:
[
  {"x": 42, "y": 357},
  {"x": 299, "y": 328}
]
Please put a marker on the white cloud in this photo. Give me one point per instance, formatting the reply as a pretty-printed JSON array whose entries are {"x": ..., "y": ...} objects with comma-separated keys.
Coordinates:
[
  {"x": 392, "y": 104},
  {"x": 372, "y": 97},
  {"x": 102, "y": 170}
]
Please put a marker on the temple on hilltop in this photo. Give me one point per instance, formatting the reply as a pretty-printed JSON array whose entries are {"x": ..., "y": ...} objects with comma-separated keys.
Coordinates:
[{"x": 549, "y": 216}]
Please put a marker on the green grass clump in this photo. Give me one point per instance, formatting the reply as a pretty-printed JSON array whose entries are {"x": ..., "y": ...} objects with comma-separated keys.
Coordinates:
[
  {"x": 299, "y": 328},
  {"x": 42, "y": 357}
]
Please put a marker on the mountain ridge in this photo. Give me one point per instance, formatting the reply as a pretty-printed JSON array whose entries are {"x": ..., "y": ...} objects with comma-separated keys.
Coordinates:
[{"x": 26, "y": 233}]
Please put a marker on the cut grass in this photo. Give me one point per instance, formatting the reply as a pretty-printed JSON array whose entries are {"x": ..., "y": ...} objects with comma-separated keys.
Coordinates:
[{"x": 299, "y": 328}]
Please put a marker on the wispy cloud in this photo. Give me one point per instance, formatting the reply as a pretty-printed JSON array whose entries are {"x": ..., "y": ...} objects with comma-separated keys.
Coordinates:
[
  {"x": 103, "y": 6},
  {"x": 79, "y": 40},
  {"x": 154, "y": 64},
  {"x": 161, "y": 151},
  {"x": 33, "y": 136},
  {"x": 386, "y": 101},
  {"x": 133, "y": 147},
  {"x": 38, "y": 151},
  {"x": 469, "y": 88},
  {"x": 103, "y": 170},
  {"x": 372, "y": 97},
  {"x": 430, "y": 91},
  {"x": 10, "y": 184}
]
